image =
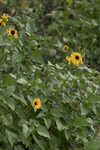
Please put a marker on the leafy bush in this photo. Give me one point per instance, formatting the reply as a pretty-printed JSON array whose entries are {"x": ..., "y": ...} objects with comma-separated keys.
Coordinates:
[{"x": 33, "y": 65}]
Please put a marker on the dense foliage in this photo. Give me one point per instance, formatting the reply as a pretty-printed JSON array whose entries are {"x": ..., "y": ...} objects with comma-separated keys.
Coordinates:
[{"x": 46, "y": 103}]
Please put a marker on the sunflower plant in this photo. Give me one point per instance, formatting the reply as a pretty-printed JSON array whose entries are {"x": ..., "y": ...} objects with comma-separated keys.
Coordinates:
[{"x": 49, "y": 99}]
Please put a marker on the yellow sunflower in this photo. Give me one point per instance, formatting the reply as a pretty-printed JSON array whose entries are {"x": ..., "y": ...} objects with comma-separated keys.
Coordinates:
[
  {"x": 68, "y": 59},
  {"x": 1, "y": 1},
  {"x": 94, "y": 23},
  {"x": 12, "y": 32},
  {"x": 36, "y": 103},
  {"x": 76, "y": 58},
  {"x": 2, "y": 23},
  {"x": 5, "y": 17},
  {"x": 65, "y": 48}
]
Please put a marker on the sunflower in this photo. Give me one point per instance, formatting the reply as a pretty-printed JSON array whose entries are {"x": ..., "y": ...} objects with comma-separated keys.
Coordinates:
[
  {"x": 65, "y": 48},
  {"x": 5, "y": 17},
  {"x": 94, "y": 23},
  {"x": 1, "y": 1},
  {"x": 76, "y": 58},
  {"x": 2, "y": 23},
  {"x": 36, "y": 103},
  {"x": 12, "y": 32},
  {"x": 68, "y": 59}
]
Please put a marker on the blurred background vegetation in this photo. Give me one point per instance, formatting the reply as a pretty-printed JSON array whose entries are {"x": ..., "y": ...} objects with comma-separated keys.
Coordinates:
[{"x": 71, "y": 22}]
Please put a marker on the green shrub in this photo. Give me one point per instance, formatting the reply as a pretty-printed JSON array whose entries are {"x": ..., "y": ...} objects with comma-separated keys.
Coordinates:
[{"x": 34, "y": 66}]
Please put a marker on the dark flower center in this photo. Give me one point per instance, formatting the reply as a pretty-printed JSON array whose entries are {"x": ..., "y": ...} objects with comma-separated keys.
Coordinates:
[
  {"x": 12, "y": 32},
  {"x": 0, "y": 23},
  {"x": 77, "y": 57},
  {"x": 38, "y": 46},
  {"x": 35, "y": 103}
]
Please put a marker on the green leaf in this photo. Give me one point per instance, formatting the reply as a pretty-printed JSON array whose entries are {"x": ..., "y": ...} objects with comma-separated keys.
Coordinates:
[
  {"x": 70, "y": 2},
  {"x": 18, "y": 147},
  {"x": 52, "y": 53},
  {"x": 10, "y": 80},
  {"x": 93, "y": 99},
  {"x": 12, "y": 137},
  {"x": 43, "y": 132},
  {"x": 25, "y": 130},
  {"x": 38, "y": 142},
  {"x": 47, "y": 122},
  {"x": 20, "y": 98},
  {"x": 66, "y": 134},
  {"x": 93, "y": 145},
  {"x": 83, "y": 110},
  {"x": 22, "y": 81},
  {"x": 60, "y": 126},
  {"x": 37, "y": 57},
  {"x": 11, "y": 104}
]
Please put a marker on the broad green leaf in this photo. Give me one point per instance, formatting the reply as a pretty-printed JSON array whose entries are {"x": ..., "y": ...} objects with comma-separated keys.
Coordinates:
[
  {"x": 20, "y": 98},
  {"x": 60, "y": 126},
  {"x": 38, "y": 142},
  {"x": 11, "y": 104},
  {"x": 12, "y": 137},
  {"x": 43, "y": 132}
]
